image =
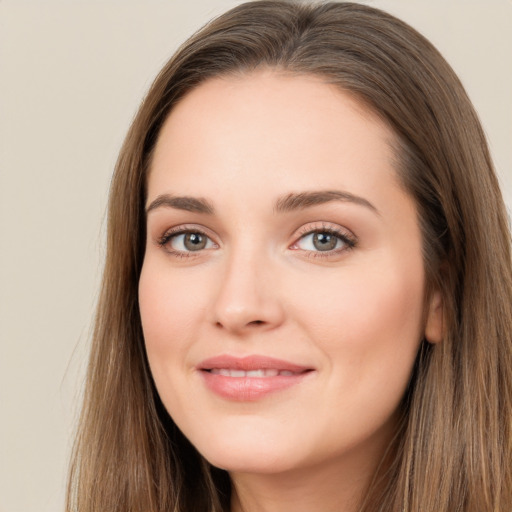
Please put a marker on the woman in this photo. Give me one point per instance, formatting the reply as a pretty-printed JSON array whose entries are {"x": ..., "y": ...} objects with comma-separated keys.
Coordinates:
[{"x": 306, "y": 302}]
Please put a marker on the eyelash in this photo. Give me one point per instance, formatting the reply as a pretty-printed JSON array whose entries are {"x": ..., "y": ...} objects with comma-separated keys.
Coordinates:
[
  {"x": 348, "y": 240},
  {"x": 164, "y": 240}
]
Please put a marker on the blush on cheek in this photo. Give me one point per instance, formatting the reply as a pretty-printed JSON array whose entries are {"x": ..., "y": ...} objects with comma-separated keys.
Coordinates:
[
  {"x": 157, "y": 295},
  {"x": 371, "y": 325}
]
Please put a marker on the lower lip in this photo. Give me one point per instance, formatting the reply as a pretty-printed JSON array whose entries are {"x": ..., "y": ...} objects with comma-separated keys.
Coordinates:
[{"x": 250, "y": 389}]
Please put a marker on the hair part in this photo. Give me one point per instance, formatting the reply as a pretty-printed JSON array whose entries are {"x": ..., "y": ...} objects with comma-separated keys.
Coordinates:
[{"x": 453, "y": 450}]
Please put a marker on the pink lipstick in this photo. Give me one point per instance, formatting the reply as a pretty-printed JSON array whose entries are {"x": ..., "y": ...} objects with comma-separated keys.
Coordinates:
[{"x": 250, "y": 378}]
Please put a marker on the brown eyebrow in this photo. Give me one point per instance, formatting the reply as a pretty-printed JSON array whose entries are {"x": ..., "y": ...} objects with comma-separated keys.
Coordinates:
[
  {"x": 290, "y": 202},
  {"x": 301, "y": 200},
  {"x": 187, "y": 203}
]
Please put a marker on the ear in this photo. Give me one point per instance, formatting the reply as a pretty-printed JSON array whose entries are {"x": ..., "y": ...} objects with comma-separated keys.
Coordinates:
[{"x": 434, "y": 323}]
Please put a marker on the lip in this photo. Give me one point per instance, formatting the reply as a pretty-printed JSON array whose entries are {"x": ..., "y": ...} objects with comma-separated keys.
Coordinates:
[{"x": 248, "y": 388}]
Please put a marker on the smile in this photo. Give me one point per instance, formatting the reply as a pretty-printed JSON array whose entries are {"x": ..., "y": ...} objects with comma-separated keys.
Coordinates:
[
  {"x": 250, "y": 378},
  {"x": 261, "y": 373}
]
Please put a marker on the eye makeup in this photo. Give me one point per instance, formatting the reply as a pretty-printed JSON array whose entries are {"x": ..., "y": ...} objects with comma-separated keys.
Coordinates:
[{"x": 319, "y": 239}]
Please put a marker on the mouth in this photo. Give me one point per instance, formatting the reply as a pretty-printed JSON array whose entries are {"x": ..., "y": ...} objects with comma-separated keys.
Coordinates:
[
  {"x": 260, "y": 373},
  {"x": 250, "y": 378}
]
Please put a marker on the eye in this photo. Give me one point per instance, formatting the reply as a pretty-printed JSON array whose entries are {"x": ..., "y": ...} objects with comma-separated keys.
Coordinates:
[
  {"x": 186, "y": 241},
  {"x": 325, "y": 240}
]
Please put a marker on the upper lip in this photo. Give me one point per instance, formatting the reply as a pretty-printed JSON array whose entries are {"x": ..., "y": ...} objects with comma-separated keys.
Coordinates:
[{"x": 248, "y": 363}]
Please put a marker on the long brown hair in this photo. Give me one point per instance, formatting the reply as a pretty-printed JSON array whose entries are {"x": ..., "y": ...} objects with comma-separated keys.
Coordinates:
[{"x": 453, "y": 451}]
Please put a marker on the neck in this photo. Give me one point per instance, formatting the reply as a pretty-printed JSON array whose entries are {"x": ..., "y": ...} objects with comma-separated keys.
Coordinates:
[
  {"x": 329, "y": 488},
  {"x": 339, "y": 484},
  {"x": 280, "y": 494}
]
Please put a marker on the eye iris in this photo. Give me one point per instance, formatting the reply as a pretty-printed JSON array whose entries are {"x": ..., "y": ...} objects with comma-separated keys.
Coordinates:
[
  {"x": 194, "y": 241},
  {"x": 324, "y": 241}
]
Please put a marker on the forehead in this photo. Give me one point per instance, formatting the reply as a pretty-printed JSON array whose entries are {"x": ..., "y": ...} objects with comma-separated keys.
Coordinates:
[{"x": 268, "y": 128}]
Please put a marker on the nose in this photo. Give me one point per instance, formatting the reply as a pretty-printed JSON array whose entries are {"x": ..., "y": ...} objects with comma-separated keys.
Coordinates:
[{"x": 248, "y": 294}]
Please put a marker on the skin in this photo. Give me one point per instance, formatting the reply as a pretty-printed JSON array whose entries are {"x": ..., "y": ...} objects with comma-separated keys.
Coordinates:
[{"x": 355, "y": 315}]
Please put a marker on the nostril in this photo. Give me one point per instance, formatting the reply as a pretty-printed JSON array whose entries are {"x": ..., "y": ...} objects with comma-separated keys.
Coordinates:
[{"x": 254, "y": 323}]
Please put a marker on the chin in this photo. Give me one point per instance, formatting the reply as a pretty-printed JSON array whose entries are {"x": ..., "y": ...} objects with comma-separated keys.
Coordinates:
[
  {"x": 250, "y": 462},
  {"x": 249, "y": 453}
]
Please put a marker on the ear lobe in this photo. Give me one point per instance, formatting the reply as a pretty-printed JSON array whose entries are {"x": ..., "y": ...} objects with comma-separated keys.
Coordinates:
[{"x": 434, "y": 323}]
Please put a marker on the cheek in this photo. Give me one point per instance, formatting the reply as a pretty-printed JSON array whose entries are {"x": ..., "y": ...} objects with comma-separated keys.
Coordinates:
[
  {"x": 170, "y": 303},
  {"x": 367, "y": 320},
  {"x": 356, "y": 301},
  {"x": 170, "y": 308},
  {"x": 368, "y": 326}
]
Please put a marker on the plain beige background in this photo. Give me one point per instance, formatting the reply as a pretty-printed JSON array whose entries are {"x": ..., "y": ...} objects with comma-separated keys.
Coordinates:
[{"x": 71, "y": 76}]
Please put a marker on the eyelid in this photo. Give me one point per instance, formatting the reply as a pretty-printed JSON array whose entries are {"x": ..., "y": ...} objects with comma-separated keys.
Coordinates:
[
  {"x": 181, "y": 229},
  {"x": 345, "y": 235}
]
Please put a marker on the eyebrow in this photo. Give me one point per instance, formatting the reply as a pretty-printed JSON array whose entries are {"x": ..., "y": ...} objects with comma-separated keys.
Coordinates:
[
  {"x": 288, "y": 203},
  {"x": 187, "y": 203},
  {"x": 302, "y": 200}
]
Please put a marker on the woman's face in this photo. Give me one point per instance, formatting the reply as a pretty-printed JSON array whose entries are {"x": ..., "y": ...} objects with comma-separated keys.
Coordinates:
[{"x": 282, "y": 288}]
